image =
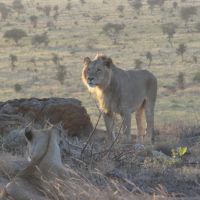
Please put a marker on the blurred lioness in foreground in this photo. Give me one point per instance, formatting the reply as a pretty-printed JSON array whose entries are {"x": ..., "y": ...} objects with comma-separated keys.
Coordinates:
[{"x": 36, "y": 180}]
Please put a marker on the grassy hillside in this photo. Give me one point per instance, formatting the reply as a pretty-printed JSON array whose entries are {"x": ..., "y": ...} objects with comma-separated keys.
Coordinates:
[{"x": 77, "y": 32}]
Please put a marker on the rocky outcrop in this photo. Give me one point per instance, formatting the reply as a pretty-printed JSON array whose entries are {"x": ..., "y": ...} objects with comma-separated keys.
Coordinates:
[{"x": 19, "y": 112}]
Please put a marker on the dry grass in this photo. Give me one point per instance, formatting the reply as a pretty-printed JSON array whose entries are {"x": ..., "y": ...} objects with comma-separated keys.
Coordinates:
[{"x": 126, "y": 172}]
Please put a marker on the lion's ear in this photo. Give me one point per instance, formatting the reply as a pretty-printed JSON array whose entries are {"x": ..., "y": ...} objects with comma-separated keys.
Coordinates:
[
  {"x": 86, "y": 61},
  {"x": 108, "y": 62},
  {"x": 28, "y": 134}
]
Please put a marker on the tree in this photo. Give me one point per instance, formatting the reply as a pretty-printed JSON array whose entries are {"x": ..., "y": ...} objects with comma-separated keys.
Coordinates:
[
  {"x": 68, "y": 6},
  {"x": 196, "y": 77},
  {"x": 56, "y": 59},
  {"x": 181, "y": 80},
  {"x": 13, "y": 59},
  {"x": 18, "y": 6},
  {"x": 15, "y": 34},
  {"x": 56, "y": 10},
  {"x": 17, "y": 87},
  {"x": 47, "y": 10},
  {"x": 149, "y": 57},
  {"x": 40, "y": 39},
  {"x": 195, "y": 59},
  {"x": 181, "y": 50},
  {"x": 175, "y": 5},
  {"x": 82, "y": 1},
  {"x": 4, "y": 11},
  {"x": 138, "y": 63},
  {"x": 61, "y": 74},
  {"x": 34, "y": 20},
  {"x": 187, "y": 13},
  {"x": 169, "y": 29},
  {"x": 153, "y": 3},
  {"x": 197, "y": 26},
  {"x": 113, "y": 31},
  {"x": 136, "y": 5},
  {"x": 33, "y": 61},
  {"x": 120, "y": 8}
]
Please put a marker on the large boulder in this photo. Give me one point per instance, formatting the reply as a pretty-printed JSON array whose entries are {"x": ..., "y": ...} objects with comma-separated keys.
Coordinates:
[{"x": 19, "y": 112}]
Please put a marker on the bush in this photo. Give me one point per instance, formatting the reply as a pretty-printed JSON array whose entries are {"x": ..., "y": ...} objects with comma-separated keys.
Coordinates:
[
  {"x": 113, "y": 31},
  {"x": 138, "y": 63},
  {"x": 169, "y": 29},
  {"x": 13, "y": 59},
  {"x": 196, "y": 77},
  {"x": 181, "y": 80},
  {"x": 4, "y": 11},
  {"x": 197, "y": 26},
  {"x": 61, "y": 74},
  {"x": 40, "y": 39},
  {"x": 15, "y": 34},
  {"x": 34, "y": 20},
  {"x": 18, "y": 6},
  {"x": 181, "y": 50},
  {"x": 56, "y": 59},
  {"x": 17, "y": 87},
  {"x": 47, "y": 10},
  {"x": 149, "y": 57},
  {"x": 120, "y": 8},
  {"x": 136, "y": 5},
  {"x": 187, "y": 13},
  {"x": 153, "y": 3}
]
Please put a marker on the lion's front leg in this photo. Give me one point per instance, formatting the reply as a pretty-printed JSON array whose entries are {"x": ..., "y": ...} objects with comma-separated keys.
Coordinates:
[
  {"x": 126, "y": 120},
  {"x": 109, "y": 123}
]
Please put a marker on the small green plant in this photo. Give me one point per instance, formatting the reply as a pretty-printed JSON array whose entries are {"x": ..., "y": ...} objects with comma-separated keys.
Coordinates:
[{"x": 179, "y": 152}]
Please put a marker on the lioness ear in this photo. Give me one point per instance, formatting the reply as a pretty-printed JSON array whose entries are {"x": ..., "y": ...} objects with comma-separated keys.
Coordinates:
[
  {"x": 108, "y": 62},
  {"x": 86, "y": 61},
  {"x": 28, "y": 134}
]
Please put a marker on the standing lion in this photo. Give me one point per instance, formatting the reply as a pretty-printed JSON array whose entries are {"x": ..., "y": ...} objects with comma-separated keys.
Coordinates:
[{"x": 122, "y": 92}]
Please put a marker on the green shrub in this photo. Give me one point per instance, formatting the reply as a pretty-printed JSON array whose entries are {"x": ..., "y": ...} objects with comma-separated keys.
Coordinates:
[{"x": 196, "y": 77}]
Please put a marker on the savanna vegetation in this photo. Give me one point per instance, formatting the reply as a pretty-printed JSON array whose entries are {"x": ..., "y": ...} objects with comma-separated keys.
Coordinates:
[{"x": 42, "y": 47}]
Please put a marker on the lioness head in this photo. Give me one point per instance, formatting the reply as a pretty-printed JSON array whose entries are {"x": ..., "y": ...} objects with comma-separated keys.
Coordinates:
[
  {"x": 97, "y": 72},
  {"x": 38, "y": 141}
]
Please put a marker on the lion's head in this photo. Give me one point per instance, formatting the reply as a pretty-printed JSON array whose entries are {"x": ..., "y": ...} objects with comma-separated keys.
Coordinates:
[
  {"x": 38, "y": 142},
  {"x": 97, "y": 72}
]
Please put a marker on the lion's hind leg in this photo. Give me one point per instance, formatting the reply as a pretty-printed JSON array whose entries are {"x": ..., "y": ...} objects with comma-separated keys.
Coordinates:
[
  {"x": 149, "y": 113},
  {"x": 141, "y": 125}
]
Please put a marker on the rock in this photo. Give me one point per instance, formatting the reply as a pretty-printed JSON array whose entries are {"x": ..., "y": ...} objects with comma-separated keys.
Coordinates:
[{"x": 69, "y": 112}]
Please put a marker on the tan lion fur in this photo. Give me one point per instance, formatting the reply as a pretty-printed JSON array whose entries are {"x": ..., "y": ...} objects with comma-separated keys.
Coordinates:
[
  {"x": 45, "y": 165},
  {"x": 122, "y": 92}
]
